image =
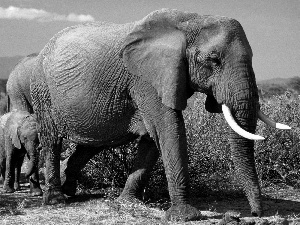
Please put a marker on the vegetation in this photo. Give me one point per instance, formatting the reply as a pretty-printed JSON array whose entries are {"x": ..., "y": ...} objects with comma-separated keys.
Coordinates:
[
  {"x": 3, "y": 103},
  {"x": 3, "y": 86},
  {"x": 277, "y": 157},
  {"x": 279, "y": 86}
]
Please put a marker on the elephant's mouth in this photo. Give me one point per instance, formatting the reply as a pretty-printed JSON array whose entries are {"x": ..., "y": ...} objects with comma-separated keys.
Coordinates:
[
  {"x": 231, "y": 122},
  {"x": 211, "y": 104}
]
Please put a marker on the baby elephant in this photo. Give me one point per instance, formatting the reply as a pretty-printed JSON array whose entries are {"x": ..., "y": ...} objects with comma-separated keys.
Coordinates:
[{"x": 19, "y": 137}]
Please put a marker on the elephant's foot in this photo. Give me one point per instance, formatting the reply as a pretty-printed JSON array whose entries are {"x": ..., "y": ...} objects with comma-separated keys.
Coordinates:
[
  {"x": 53, "y": 197},
  {"x": 183, "y": 212},
  {"x": 69, "y": 187},
  {"x": 257, "y": 213},
  {"x": 35, "y": 188},
  {"x": 256, "y": 208},
  {"x": 36, "y": 192},
  {"x": 17, "y": 187},
  {"x": 8, "y": 189}
]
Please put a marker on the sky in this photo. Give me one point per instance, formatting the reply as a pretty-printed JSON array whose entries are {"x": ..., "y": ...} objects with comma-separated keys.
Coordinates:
[{"x": 272, "y": 26}]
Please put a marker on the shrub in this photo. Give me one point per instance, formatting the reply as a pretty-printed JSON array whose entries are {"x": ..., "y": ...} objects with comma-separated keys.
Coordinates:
[
  {"x": 3, "y": 103},
  {"x": 210, "y": 165},
  {"x": 110, "y": 167},
  {"x": 277, "y": 157}
]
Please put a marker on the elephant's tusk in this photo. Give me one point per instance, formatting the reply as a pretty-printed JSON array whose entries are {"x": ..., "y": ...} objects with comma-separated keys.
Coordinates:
[
  {"x": 272, "y": 123},
  {"x": 230, "y": 120}
]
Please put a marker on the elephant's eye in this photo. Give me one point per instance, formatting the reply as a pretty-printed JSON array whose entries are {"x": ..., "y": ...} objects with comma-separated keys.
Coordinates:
[
  {"x": 199, "y": 57},
  {"x": 214, "y": 59}
]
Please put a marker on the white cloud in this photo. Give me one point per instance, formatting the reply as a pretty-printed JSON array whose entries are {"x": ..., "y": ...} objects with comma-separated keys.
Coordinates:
[{"x": 40, "y": 15}]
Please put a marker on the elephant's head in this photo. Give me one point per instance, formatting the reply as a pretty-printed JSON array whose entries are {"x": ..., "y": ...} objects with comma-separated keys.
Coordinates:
[
  {"x": 24, "y": 132},
  {"x": 181, "y": 53}
]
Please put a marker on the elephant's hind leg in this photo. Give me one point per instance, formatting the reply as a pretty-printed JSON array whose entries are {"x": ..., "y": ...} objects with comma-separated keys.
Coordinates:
[
  {"x": 49, "y": 137},
  {"x": 146, "y": 158},
  {"x": 53, "y": 192},
  {"x": 72, "y": 165}
]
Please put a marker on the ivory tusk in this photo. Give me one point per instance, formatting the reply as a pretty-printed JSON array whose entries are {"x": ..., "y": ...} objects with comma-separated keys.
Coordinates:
[
  {"x": 230, "y": 120},
  {"x": 271, "y": 123}
]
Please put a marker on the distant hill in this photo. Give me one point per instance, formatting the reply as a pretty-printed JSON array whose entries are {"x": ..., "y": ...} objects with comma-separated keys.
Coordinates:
[
  {"x": 278, "y": 86},
  {"x": 7, "y": 64}
]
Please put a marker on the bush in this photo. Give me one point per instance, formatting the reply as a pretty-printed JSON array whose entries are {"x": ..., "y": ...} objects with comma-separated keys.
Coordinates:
[
  {"x": 3, "y": 103},
  {"x": 210, "y": 166},
  {"x": 277, "y": 157},
  {"x": 109, "y": 168}
]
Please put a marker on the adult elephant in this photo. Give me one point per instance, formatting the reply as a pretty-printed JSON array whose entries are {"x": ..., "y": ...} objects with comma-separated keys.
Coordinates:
[
  {"x": 19, "y": 137},
  {"x": 18, "y": 84},
  {"x": 104, "y": 84}
]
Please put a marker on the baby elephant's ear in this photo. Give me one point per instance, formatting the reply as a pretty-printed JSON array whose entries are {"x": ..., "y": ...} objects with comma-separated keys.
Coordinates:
[
  {"x": 15, "y": 137},
  {"x": 155, "y": 51}
]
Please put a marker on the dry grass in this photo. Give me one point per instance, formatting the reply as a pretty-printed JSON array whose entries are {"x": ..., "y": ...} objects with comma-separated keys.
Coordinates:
[
  {"x": 93, "y": 211},
  {"x": 281, "y": 203}
]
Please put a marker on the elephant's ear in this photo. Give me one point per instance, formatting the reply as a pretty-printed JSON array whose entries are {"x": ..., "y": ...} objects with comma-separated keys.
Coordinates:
[
  {"x": 14, "y": 136},
  {"x": 155, "y": 50}
]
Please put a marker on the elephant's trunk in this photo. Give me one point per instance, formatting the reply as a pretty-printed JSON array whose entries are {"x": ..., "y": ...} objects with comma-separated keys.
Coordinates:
[
  {"x": 242, "y": 99},
  {"x": 32, "y": 165},
  {"x": 243, "y": 157}
]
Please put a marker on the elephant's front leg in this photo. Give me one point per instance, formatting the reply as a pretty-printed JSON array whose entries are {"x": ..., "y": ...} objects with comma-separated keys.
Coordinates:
[
  {"x": 53, "y": 192},
  {"x": 172, "y": 139},
  {"x": 146, "y": 158},
  {"x": 8, "y": 185}
]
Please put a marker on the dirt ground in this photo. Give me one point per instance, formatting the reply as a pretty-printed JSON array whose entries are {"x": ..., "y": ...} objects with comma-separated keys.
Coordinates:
[{"x": 280, "y": 203}]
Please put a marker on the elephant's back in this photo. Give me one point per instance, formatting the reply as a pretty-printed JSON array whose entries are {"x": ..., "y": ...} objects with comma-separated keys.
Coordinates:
[
  {"x": 88, "y": 82},
  {"x": 82, "y": 57},
  {"x": 84, "y": 47},
  {"x": 90, "y": 37},
  {"x": 18, "y": 83},
  {"x": 20, "y": 75}
]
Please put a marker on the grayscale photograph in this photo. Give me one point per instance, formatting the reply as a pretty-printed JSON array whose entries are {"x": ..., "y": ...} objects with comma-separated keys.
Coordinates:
[{"x": 150, "y": 112}]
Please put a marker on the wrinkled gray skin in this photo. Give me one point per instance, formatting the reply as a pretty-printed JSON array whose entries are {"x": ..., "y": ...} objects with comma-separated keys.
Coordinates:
[
  {"x": 19, "y": 137},
  {"x": 104, "y": 84},
  {"x": 18, "y": 92},
  {"x": 18, "y": 84}
]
